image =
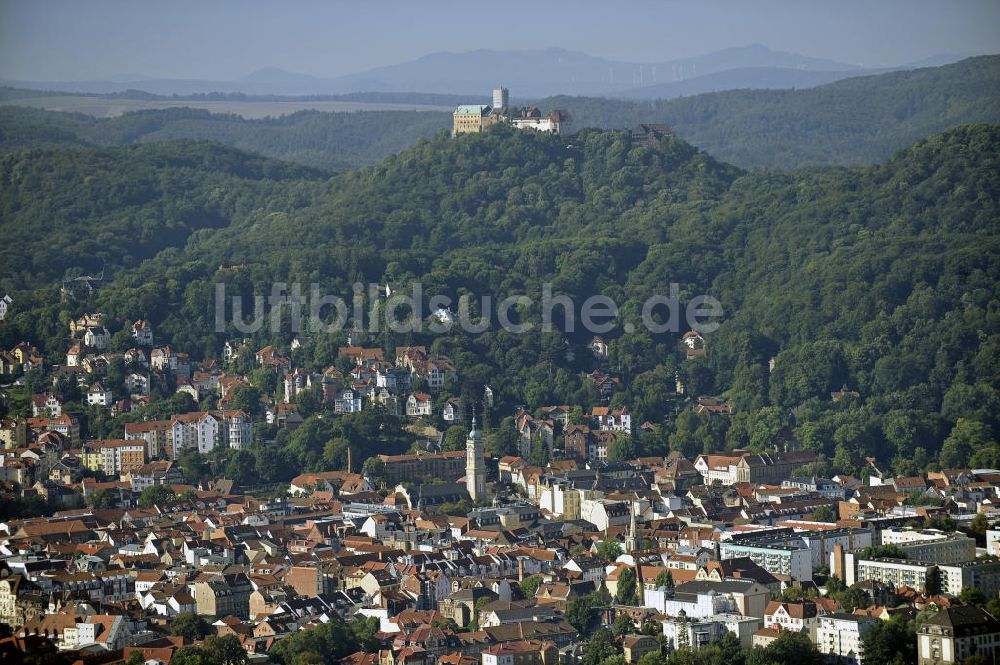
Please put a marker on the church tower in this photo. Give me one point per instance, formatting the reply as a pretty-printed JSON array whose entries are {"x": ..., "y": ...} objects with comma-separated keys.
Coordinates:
[
  {"x": 475, "y": 468},
  {"x": 632, "y": 540}
]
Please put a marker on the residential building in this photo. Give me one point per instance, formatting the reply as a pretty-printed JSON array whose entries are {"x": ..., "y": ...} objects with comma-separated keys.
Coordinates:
[
  {"x": 142, "y": 332},
  {"x": 224, "y": 595},
  {"x": 840, "y": 637},
  {"x": 156, "y": 434},
  {"x": 955, "y": 634},
  {"x": 777, "y": 558},
  {"x": 418, "y": 405},
  {"x": 931, "y": 545},
  {"x": 898, "y": 572},
  {"x": 98, "y": 395},
  {"x": 121, "y": 456}
]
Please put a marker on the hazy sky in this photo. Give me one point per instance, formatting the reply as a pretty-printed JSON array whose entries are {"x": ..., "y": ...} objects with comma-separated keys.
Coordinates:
[{"x": 223, "y": 39}]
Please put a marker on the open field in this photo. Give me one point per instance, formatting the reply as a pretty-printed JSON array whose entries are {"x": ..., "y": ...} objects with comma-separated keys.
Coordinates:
[{"x": 100, "y": 107}]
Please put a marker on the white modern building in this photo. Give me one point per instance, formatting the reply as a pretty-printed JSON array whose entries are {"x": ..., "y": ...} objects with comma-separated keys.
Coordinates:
[
  {"x": 698, "y": 633},
  {"x": 793, "y": 560},
  {"x": 840, "y": 636}
]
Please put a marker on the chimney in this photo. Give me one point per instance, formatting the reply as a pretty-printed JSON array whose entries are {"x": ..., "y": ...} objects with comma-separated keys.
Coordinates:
[
  {"x": 838, "y": 561},
  {"x": 520, "y": 569}
]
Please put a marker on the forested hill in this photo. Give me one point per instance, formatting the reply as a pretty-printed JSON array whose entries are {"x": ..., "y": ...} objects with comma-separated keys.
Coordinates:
[
  {"x": 338, "y": 141},
  {"x": 80, "y": 210},
  {"x": 851, "y": 122},
  {"x": 883, "y": 279}
]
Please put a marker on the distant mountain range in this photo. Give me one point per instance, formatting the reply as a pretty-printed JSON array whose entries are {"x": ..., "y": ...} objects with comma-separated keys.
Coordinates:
[{"x": 527, "y": 73}]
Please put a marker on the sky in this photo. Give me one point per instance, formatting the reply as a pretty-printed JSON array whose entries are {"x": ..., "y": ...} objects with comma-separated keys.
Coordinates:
[{"x": 73, "y": 40}]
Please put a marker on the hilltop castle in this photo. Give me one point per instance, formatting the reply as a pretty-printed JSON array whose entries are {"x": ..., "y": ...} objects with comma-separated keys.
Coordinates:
[{"x": 474, "y": 118}]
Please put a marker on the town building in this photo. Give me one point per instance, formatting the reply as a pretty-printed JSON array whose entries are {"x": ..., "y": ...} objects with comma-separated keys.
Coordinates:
[
  {"x": 840, "y": 637},
  {"x": 955, "y": 634}
]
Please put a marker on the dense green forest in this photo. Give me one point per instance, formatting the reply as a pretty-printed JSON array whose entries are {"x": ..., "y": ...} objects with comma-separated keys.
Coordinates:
[
  {"x": 850, "y": 122},
  {"x": 337, "y": 141},
  {"x": 882, "y": 278},
  {"x": 78, "y": 210}
]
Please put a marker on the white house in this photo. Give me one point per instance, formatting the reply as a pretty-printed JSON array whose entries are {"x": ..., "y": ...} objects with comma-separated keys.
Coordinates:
[
  {"x": 418, "y": 404},
  {"x": 98, "y": 395},
  {"x": 142, "y": 332},
  {"x": 698, "y": 633},
  {"x": 721, "y": 468},
  {"x": 137, "y": 384},
  {"x": 97, "y": 337},
  {"x": 74, "y": 355},
  {"x": 598, "y": 347},
  {"x": 46, "y": 404},
  {"x": 347, "y": 401},
  {"x": 452, "y": 411},
  {"x": 612, "y": 420},
  {"x": 604, "y": 513},
  {"x": 796, "y": 617},
  {"x": 163, "y": 358}
]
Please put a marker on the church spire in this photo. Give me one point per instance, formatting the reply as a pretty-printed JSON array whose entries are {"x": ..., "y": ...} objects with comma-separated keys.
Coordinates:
[{"x": 632, "y": 537}]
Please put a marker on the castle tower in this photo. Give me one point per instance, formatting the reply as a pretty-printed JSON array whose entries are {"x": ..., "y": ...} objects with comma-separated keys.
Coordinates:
[
  {"x": 475, "y": 468},
  {"x": 501, "y": 99}
]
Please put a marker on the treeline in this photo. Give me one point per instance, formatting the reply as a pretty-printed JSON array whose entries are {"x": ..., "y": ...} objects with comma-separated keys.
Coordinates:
[
  {"x": 856, "y": 121},
  {"x": 337, "y": 141}
]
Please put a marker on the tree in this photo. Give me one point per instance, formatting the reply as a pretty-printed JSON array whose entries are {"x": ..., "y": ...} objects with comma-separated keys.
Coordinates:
[
  {"x": 891, "y": 642},
  {"x": 627, "y": 592},
  {"x": 539, "y": 453},
  {"x": 609, "y": 550},
  {"x": 622, "y": 448},
  {"x": 191, "y": 626},
  {"x": 331, "y": 640},
  {"x": 374, "y": 470},
  {"x": 665, "y": 579},
  {"x": 887, "y": 551},
  {"x": 135, "y": 657},
  {"x": 853, "y": 598},
  {"x": 601, "y": 645},
  {"x": 156, "y": 494},
  {"x": 978, "y": 527},
  {"x": 103, "y": 499},
  {"x": 504, "y": 440},
  {"x": 972, "y": 596},
  {"x": 227, "y": 650},
  {"x": 454, "y": 438},
  {"x": 529, "y": 585},
  {"x": 834, "y": 585},
  {"x": 623, "y": 625},
  {"x": 246, "y": 398},
  {"x": 580, "y": 612},
  {"x": 193, "y": 656},
  {"x": 364, "y": 630},
  {"x": 824, "y": 514},
  {"x": 965, "y": 438},
  {"x": 789, "y": 647}
]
